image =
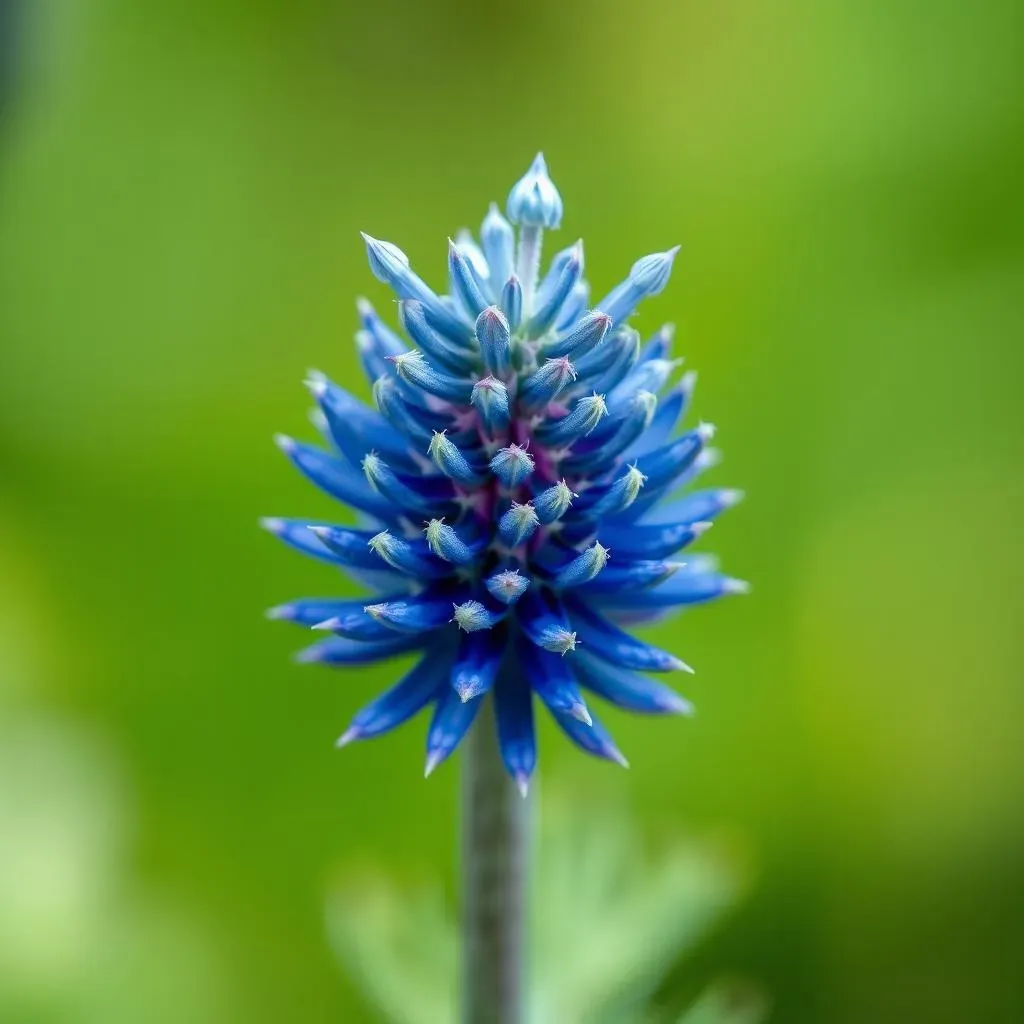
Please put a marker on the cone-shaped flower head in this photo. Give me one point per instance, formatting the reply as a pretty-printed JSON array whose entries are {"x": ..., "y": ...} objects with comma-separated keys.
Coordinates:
[{"x": 519, "y": 488}]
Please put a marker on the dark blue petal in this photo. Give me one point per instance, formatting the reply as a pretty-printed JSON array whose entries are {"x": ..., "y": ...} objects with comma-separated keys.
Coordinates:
[
  {"x": 549, "y": 304},
  {"x": 627, "y": 689},
  {"x": 454, "y": 358},
  {"x": 625, "y": 579},
  {"x": 354, "y": 428},
  {"x": 552, "y": 680},
  {"x": 452, "y": 719},
  {"x": 336, "y": 477},
  {"x": 593, "y": 738},
  {"x": 477, "y": 663},
  {"x": 637, "y": 540},
  {"x": 401, "y": 702},
  {"x": 544, "y": 621},
  {"x": 309, "y": 611},
  {"x": 683, "y": 588},
  {"x": 516, "y": 739},
  {"x": 417, "y": 496},
  {"x": 344, "y": 651},
  {"x": 607, "y": 641}
]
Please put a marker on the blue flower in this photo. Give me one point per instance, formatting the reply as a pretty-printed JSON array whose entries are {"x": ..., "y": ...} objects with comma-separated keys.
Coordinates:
[{"x": 519, "y": 489}]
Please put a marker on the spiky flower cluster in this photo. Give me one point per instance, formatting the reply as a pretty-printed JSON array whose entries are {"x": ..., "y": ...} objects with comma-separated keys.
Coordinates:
[{"x": 510, "y": 482}]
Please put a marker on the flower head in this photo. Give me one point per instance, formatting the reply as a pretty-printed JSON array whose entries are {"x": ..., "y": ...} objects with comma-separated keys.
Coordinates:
[{"x": 519, "y": 486}]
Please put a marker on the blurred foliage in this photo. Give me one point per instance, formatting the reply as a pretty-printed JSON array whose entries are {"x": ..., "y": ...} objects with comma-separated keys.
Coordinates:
[
  {"x": 608, "y": 923},
  {"x": 181, "y": 189}
]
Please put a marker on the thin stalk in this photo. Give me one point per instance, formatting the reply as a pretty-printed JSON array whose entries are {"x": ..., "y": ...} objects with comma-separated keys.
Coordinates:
[{"x": 495, "y": 840}]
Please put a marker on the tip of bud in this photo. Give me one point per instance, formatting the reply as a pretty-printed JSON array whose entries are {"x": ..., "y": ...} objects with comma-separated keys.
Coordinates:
[
  {"x": 272, "y": 524},
  {"x": 581, "y": 714},
  {"x": 733, "y": 586},
  {"x": 731, "y": 496},
  {"x": 317, "y": 384},
  {"x": 375, "y": 611},
  {"x": 617, "y": 756},
  {"x": 433, "y": 760},
  {"x": 350, "y": 734},
  {"x": 285, "y": 443},
  {"x": 702, "y": 527},
  {"x": 280, "y": 611},
  {"x": 327, "y": 625},
  {"x": 678, "y": 665},
  {"x": 706, "y": 431},
  {"x": 522, "y": 781}
]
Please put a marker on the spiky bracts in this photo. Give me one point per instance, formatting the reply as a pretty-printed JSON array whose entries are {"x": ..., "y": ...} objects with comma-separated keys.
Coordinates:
[{"x": 518, "y": 484}]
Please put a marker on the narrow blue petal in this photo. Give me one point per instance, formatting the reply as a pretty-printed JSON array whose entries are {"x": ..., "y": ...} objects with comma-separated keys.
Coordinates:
[
  {"x": 699, "y": 506},
  {"x": 465, "y": 284},
  {"x": 574, "y": 307},
  {"x": 355, "y": 625},
  {"x": 398, "y": 704},
  {"x": 615, "y": 497},
  {"x": 636, "y": 419},
  {"x": 585, "y": 415},
  {"x": 390, "y": 265},
  {"x": 546, "y": 383},
  {"x": 385, "y": 340},
  {"x": 354, "y": 428},
  {"x": 344, "y": 651},
  {"x": 452, "y": 462},
  {"x": 607, "y": 641},
  {"x": 684, "y": 588},
  {"x": 514, "y": 711},
  {"x": 414, "y": 558},
  {"x": 671, "y": 410},
  {"x": 648, "y": 276},
  {"x": 549, "y": 306},
  {"x": 512, "y": 302},
  {"x": 626, "y": 689},
  {"x": 624, "y": 579},
  {"x": 456, "y": 546},
  {"x": 388, "y": 397},
  {"x": 553, "y": 681},
  {"x": 545, "y": 623},
  {"x": 414, "y": 369},
  {"x": 495, "y": 339},
  {"x": 414, "y": 496},
  {"x": 411, "y": 614},
  {"x": 498, "y": 242},
  {"x": 335, "y": 477},
  {"x": 652, "y": 541},
  {"x": 454, "y": 358},
  {"x": 452, "y": 719},
  {"x": 582, "y": 338},
  {"x": 650, "y": 376},
  {"x": 665, "y": 464},
  {"x": 347, "y": 546},
  {"x": 583, "y": 568},
  {"x": 593, "y": 738},
  {"x": 309, "y": 611},
  {"x": 476, "y": 665}
]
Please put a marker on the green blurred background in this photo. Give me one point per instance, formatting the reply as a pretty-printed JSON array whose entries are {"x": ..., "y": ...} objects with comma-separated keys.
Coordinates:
[{"x": 181, "y": 190}]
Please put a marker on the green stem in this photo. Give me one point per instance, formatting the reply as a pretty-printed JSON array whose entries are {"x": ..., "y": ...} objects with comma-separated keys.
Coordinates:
[{"x": 495, "y": 840}]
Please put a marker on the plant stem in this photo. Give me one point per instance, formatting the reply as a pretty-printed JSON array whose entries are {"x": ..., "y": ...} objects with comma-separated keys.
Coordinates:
[{"x": 495, "y": 827}]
